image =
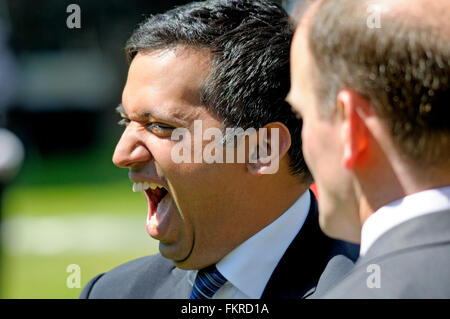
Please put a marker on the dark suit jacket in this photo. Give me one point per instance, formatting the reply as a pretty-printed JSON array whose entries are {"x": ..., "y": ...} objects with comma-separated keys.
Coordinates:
[
  {"x": 413, "y": 260},
  {"x": 296, "y": 275}
]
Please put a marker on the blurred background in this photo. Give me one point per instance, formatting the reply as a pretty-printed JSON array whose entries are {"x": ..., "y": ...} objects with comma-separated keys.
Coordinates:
[{"x": 62, "y": 201}]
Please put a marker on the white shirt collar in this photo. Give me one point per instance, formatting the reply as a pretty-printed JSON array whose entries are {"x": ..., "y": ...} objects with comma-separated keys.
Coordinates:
[
  {"x": 249, "y": 266},
  {"x": 399, "y": 211}
]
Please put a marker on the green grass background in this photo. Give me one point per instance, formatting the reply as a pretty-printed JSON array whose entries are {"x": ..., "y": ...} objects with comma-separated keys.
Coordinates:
[{"x": 74, "y": 183}]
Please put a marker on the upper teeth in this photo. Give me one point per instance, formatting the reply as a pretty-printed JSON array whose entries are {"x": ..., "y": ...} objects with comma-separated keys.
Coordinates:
[{"x": 140, "y": 187}]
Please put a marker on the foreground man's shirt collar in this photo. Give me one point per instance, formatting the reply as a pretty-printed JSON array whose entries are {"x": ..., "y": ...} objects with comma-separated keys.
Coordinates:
[
  {"x": 249, "y": 266},
  {"x": 402, "y": 210}
]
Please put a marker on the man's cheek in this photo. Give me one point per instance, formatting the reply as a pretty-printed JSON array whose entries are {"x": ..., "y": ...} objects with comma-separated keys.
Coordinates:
[{"x": 306, "y": 145}]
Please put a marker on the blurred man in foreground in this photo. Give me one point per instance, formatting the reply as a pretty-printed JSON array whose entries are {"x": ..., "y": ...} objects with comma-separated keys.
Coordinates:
[
  {"x": 376, "y": 136},
  {"x": 240, "y": 229}
]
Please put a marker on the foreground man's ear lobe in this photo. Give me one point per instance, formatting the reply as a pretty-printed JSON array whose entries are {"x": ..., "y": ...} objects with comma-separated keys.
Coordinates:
[
  {"x": 273, "y": 143},
  {"x": 354, "y": 132}
]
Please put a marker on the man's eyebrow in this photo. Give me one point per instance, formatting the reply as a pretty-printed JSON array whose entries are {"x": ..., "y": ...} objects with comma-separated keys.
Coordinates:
[
  {"x": 182, "y": 119},
  {"x": 121, "y": 110}
]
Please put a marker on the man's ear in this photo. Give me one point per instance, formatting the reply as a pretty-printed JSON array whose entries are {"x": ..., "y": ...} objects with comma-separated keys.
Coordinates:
[
  {"x": 354, "y": 110},
  {"x": 273, "y": 143}
]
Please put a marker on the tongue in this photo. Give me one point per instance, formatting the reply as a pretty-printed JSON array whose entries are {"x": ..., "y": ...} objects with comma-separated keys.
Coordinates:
[
  {"x": 157, "y": 220},
  {"x": 163, "y": 208},
  {"x": 154, "y": 198}
]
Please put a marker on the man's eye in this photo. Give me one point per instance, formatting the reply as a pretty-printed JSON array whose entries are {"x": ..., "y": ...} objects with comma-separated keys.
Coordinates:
[
  {"x": 123, "y": 122},
  {"x": 160, "y": 129}
]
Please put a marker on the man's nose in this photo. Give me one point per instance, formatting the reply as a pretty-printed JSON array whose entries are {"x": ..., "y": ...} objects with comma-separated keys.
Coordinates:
[{"x": 131, "y": 151}]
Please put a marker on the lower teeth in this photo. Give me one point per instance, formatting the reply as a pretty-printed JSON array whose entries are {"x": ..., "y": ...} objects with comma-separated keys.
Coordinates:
[{"x": 153, "y": 223}]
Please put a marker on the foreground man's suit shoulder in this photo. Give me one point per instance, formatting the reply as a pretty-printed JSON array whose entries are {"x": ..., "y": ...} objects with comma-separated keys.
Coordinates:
[
  {"x": 311, "y": 257},
  {"x": 148, "y": 277},
  {"x": 412, "y": 259}
]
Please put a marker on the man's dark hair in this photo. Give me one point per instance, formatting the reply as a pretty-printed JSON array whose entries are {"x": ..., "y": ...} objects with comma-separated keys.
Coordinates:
[
  {"x": 402, "y": 67},
  {"x": 249, "y": 79}
]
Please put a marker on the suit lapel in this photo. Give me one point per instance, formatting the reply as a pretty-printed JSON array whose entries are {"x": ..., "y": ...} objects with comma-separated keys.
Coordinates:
[
  {"x": 300, "y": 268},
  {"x": 181, "y": 287},
  {"x": 160, "y": 279}
]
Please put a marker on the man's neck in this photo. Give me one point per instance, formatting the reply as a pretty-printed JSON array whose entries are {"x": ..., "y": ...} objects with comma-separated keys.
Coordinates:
[
  {"x": 269, "y": 200},
  {"x": 401, "y": 184}
]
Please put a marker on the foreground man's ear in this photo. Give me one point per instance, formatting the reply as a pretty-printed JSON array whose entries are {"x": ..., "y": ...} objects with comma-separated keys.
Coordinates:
[
  {"x": 354, "y": 111},
  {"x": 273, "y": 142}
]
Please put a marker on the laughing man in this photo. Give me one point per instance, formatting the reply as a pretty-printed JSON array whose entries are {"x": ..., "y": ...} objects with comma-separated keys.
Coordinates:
[{"x": 225, "y": 230}]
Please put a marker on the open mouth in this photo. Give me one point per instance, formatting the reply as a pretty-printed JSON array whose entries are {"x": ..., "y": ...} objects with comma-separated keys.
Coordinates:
[{"x": 154, "y": 193}]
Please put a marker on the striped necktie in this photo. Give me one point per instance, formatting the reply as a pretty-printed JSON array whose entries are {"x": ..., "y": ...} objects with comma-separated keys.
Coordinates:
[{"x": 207, "y": 282}]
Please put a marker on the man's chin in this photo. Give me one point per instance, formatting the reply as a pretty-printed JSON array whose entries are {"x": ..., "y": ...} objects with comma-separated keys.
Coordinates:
[
  {"x": 324, "y": 224},
  {"x": 187, "y": 264},
  {"x": 181, "y": 258},
  {"x": 327, "y": 222},
  {"x": 335, "y": 227},
  {"x": 191, "y": 262}
]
